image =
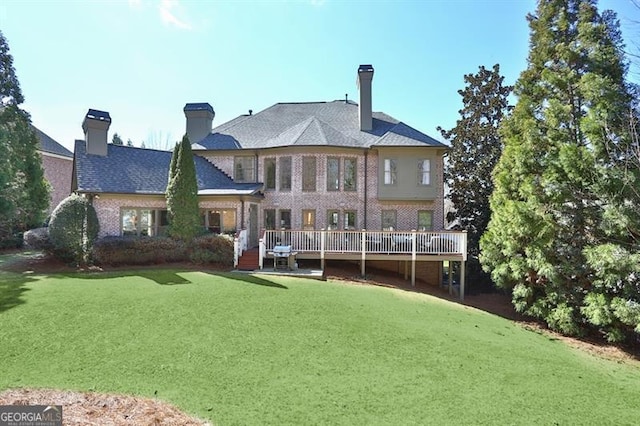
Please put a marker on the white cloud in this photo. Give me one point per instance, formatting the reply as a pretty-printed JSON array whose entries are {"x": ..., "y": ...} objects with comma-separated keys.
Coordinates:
[
  {"x": 135, "y": 4},
  {"x": 170, "y": 10}
]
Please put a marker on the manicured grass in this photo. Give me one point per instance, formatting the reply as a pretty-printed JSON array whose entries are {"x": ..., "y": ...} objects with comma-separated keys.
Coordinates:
[{"x": 237, "y": 349}]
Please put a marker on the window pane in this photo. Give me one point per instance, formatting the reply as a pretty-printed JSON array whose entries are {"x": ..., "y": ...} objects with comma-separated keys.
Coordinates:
[
  {"x": 269, "y": 219},
  {"x": 145, "y": 222},
  {"x": 333, "y": 174},
  {"x": 228, "y": 218},
  {"x": 309, "y": 174},
  {"x": 308, "y": 219},
  {"x": 424, "y": 172},
  {"x": 285, "y": 173},
  {"x": 390, "y": 171},
  {"x": 333, "y": 217},
  {"x": 350, "y": 174},
  {"x": 389, "y": 220},
  {"x": 215, "y": 221},
  {"x": 425, "y": 220},
  {"x": 129, "y": 222},
  {"x": 244, "y": 169},
  {"x": 164, "y": 222},
  {"x": 270, "y": 173},
  {"x": 349, "y": 220},
  {"x": 285, "y": 219}
]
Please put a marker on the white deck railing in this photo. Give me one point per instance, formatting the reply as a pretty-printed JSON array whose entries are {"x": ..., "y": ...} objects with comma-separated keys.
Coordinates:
[
  {"x": 240, "y": 245},
  {"x": 370, "y": 242}
]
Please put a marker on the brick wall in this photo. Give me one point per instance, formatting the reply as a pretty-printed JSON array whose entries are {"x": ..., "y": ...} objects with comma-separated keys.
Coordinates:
[
  {"x": 323, "y": 200},
  {"x": 57, "y": 171}
]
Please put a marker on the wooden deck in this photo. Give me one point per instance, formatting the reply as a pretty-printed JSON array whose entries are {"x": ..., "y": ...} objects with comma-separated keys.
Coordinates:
[{"x": 410, "y": 246}]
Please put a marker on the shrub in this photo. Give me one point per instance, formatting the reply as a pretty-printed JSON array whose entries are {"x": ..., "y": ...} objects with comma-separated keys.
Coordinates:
[
  {"x": 138, "y": 251},
  {"x": 155, "y": 250},
  {"x": 73, "y": 229},
  {"x": 37, "y": 239},
  {"x": 212, "y": 249}
]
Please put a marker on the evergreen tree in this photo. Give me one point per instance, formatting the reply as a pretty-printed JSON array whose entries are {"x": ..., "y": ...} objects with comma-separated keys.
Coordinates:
[
  {"x": 547, "y": 205},
  {"x": 475, "y": 149},
  {"x": 23, "y": 189},
  {"x": 116, "y": 139},
  {"x": 182, "y": 193}
]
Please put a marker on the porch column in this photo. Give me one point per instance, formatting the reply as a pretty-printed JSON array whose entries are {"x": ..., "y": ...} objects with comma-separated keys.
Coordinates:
[{"x": 462, "y": 268}]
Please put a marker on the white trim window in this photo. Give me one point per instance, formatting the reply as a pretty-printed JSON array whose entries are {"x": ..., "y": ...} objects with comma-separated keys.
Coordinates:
[
  {"x": 390, "y": 171},
  {"x": 424, "y": 171}
]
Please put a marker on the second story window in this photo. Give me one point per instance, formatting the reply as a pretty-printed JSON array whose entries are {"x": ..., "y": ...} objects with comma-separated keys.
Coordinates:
[
  {"x": 390, "y": 171},
  {"x": 269, "y": 174},
  {"x": 424, "y": 172},
  {"x": 350, "y": 171},
  {"x": 309, "y": 173},
  {"x": 245, "y": 170},
  {"x": 333, "y": 174},
  {"x": 285, "y": 173}
]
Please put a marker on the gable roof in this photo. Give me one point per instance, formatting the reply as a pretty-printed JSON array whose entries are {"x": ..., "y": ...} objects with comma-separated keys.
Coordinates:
[
  {"x": 47, "y": 144},
  {"x": 312, "y": 123},
  {"x": 131, "y": 170}
]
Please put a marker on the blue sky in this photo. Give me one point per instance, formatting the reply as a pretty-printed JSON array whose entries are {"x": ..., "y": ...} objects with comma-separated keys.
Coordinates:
[{"x": 142, "y": 60}]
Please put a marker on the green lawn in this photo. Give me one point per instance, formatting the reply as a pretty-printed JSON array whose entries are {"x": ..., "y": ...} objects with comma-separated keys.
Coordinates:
[{"x": 236, "y": 349}]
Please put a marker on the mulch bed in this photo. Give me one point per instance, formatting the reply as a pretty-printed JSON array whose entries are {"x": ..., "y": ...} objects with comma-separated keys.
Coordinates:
[{"x": 89, "y": 408}]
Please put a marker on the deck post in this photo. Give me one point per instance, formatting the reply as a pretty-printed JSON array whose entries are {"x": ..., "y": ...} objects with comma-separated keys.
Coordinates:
[
  {"x": 413, "y": 257},
  {"x": 450, "y": 275},
  {"x": 323, "y": 236},
  {"x": 260, "y": 252},
  {"x": 462, "y": 268},
  {"x": 364, "y": 253}
]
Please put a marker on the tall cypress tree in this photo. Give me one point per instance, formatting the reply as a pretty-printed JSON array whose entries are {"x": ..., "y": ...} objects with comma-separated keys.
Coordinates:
[
  {"x": 546, "y": 209},
  {"x": 182, "y": 193},
  {"x": 475, "y": 149},
  {"x": 23, "y": 189}
]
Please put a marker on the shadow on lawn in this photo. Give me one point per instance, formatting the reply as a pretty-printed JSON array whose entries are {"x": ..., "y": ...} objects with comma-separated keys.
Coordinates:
[
  {"x": 12, "y": 289},
  {"x": 251, "y": 279}
]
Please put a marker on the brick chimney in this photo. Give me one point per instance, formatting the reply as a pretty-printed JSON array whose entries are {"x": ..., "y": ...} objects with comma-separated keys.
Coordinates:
[
  {"x": 96, "y": 125},
  {"x": 365, "y": 75},
  {"x": 199, "y": 119}
]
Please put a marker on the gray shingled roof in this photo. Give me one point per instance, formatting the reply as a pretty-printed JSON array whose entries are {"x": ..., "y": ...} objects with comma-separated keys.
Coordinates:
[
  {"x": 47, "y": 144},
  {"x": 130, "y": 170},
  {"x": 315, "y": 123}
]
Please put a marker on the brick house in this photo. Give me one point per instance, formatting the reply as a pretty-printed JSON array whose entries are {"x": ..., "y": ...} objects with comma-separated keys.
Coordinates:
[
  {"x": 57, "y": 163},
  {"x": 295, "y": 167}
]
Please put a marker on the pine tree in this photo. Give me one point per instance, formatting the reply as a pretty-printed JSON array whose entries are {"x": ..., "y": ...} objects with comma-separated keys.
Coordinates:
[
  {"x": 547, "y": 207},
  {"x": 475, "y": 149},
  {"x": 182, "y": 193},
  {"x": 23, "y": 189},
  {"x": 116, "y": 139}
]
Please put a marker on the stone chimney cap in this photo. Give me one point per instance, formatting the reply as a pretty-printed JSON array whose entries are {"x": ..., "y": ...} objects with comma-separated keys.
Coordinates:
[
  {"x": 198, "y": 106},
  {"x": 99, "y": 115},
  {"x": 365, "y": 68}
]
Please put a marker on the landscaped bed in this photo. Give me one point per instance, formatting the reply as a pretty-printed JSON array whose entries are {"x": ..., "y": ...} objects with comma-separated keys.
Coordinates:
[{"x": 239, "y": 349}]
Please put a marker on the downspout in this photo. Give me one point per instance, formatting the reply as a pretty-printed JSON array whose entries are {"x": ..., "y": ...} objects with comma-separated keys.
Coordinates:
[
  {"x": 242, "y": 213},
  {"x": 366, "y": 157}
]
